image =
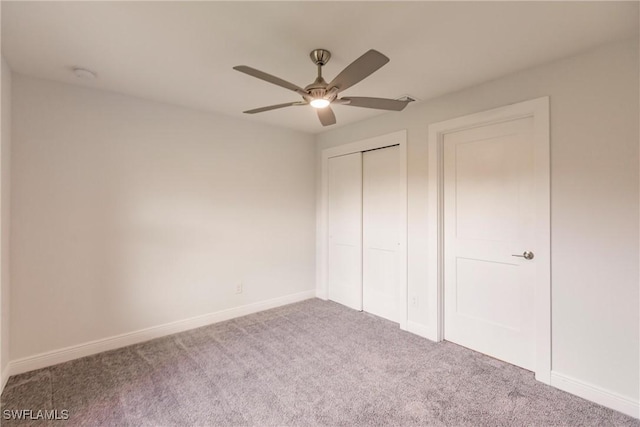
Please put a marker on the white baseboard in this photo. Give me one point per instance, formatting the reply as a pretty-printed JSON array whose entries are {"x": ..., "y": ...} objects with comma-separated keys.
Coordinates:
[
  {"x": 596, "y": 394},
  {"x": 4, "y": 377},
  {"x": 322, "y": 295},
  {"x": 54, "y": 357},
  {"x": 420, "y": 330}
]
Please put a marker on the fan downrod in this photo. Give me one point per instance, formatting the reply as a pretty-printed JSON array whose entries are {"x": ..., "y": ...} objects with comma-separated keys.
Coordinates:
[{"x": 320, "y": 57}]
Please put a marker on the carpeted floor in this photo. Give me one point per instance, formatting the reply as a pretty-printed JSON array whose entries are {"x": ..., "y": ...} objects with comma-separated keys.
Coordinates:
[{"x": 310, "y": 363}]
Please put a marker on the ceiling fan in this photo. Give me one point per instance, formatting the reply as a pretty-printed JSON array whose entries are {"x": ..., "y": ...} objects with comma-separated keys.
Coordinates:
[{"x": 321, "y": 94}]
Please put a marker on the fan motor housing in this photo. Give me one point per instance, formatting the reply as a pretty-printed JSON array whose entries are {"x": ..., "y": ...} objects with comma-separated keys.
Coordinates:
[
  {"x": 319, "y": 83},
  {"x": 317, "y": 93}
]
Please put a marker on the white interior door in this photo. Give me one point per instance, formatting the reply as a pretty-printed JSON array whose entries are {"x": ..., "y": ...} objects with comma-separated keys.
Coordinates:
[
  {"x": 489, "y": 222},
  {"x": 345, "y": 230},
  {"x": 382, "y": 222}
]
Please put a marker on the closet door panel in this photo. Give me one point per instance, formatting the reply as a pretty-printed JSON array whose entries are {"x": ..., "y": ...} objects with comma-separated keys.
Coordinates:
[
  {"x": 382, "y": 224},
  {"x": 345, "y": 230}
]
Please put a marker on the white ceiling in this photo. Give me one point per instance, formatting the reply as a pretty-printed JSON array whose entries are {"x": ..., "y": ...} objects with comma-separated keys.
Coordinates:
[{"x": 183, "y": 52}]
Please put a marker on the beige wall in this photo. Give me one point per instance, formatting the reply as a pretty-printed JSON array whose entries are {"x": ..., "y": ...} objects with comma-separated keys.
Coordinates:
[
  {"x": 5, "y": 183},
  {"x": 594, "y": 202},
  {"x": 128, "y": 214}
]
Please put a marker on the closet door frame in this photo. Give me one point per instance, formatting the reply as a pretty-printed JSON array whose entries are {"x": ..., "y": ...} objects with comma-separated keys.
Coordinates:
[{"x": 398, "y": 138}]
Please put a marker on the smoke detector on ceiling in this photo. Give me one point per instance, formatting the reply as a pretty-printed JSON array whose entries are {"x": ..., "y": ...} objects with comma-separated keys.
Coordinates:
[{"x": 83, "y": 73}]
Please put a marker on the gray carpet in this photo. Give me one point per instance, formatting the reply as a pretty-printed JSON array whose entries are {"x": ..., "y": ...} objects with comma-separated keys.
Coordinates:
[{"x": 310, "y": 363}]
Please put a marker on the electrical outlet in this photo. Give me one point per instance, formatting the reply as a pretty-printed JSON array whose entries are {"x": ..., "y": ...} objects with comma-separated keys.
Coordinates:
[
  {"x": 239, "y": 288},
  {"x": 414, "y": 301}
]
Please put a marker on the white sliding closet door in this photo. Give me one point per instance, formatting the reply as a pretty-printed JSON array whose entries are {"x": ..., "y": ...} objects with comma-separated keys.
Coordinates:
[
  {"x": 345, "y": 230},
  {"x": 382, "y": 228}
]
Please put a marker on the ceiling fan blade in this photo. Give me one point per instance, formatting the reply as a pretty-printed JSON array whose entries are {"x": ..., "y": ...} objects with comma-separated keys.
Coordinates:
[
  {"x": 359, "y": 69},
  {"x": 269, "y": 78},
  {"x": 377, "y": 103},
  {"x": 326, "y": 116},
  {"x": 273, "y": 107}
]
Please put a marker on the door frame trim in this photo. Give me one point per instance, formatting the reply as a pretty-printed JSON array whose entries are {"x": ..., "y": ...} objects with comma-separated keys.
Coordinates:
[
  {"x": 538, "y": 109},
  {"x": 398, "y": 138}
]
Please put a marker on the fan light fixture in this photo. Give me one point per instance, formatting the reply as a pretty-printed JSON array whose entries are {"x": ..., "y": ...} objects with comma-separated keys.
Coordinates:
[{"x": 319, "y": 103}]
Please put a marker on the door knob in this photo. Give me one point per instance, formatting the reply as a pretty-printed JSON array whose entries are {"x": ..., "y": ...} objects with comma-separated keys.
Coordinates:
[{"x": 525, "y": 255}]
